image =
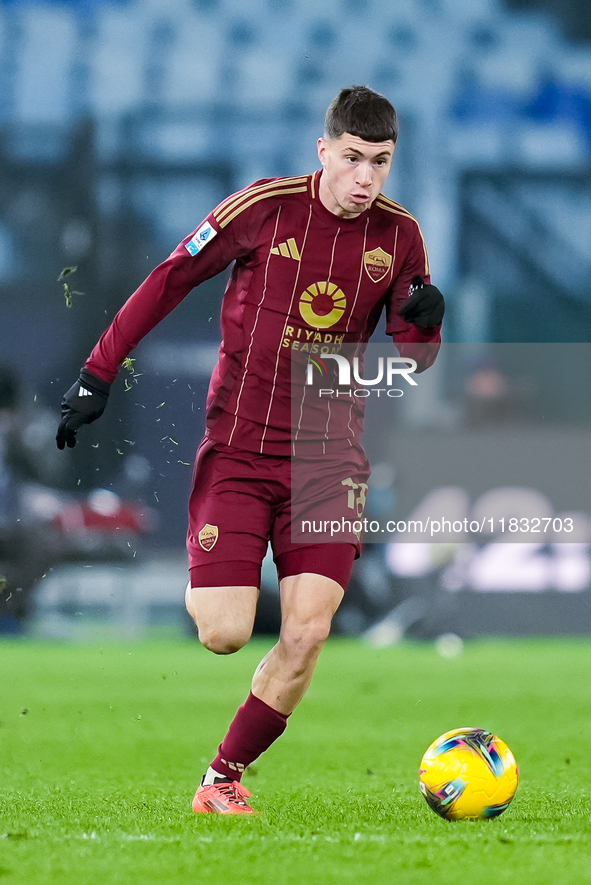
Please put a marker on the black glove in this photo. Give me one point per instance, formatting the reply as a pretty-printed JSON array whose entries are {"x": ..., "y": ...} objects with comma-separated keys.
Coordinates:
[
  {"x": 84, "y": 402},
  {"x": 425, "y": 305}
]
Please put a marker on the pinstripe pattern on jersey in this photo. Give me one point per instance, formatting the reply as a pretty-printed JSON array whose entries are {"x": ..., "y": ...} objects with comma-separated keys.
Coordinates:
[
  {"x": 394, "y": 254},
  {"x": 361, "y": 267},
  {"x": 359, "y": 343},
  {"x": 252, "y": 331},
  {"x": 396, "y": 209},
  {"x": 334, "y": 245},
  {"x": 287, "y": 315},
  {"x": 237, "y": 203},
  {"x": 304, "y": 389},
  {"x": 328, "y": 409}
]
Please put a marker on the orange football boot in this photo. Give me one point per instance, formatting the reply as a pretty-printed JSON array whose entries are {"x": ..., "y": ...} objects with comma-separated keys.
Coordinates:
[{"x": 224, "y": 797}]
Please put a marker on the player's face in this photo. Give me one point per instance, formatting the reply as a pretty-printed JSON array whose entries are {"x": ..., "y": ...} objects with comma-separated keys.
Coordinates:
[{"x": 353, "y": 173}]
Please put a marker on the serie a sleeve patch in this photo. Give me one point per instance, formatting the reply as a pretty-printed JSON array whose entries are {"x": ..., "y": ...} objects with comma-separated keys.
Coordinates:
[{"x": 200, "y": 238}]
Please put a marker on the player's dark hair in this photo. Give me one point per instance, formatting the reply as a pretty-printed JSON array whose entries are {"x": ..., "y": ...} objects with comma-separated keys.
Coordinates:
[{"x": 361, "y": 112}]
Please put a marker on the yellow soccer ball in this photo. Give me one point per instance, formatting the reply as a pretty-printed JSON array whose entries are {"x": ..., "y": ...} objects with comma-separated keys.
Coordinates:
[{"x": 468, "y": 774}]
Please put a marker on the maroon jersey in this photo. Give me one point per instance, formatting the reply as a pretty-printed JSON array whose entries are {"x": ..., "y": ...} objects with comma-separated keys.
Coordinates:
[{"x": 304, "y": 280}]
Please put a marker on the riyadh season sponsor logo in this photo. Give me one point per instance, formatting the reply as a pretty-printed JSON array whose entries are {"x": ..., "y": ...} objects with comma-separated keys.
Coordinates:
[
  {"x": 201, "y": 236},
  {"x": 390, "y": 370}
]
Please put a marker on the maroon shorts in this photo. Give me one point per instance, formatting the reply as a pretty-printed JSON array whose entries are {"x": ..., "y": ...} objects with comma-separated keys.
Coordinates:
[{"x": 242, "y": 500}]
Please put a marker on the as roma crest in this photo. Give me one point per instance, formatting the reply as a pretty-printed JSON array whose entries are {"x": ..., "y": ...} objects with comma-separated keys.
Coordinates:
[
  {"x": 377, "y": 264},
  {"x": 208, "y": 536}
]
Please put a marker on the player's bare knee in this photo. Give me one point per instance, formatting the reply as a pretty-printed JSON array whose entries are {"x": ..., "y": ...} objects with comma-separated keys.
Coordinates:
[
  {"x": 306, "y": 639},
  {"x": 221, "y": 642},
  {"x": 224, "y": 618}
]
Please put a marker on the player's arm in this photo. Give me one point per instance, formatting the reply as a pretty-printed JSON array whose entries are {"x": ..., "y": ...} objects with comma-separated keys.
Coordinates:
[
  {"x": 415, "y": 308},
  {"x": 424, "y": 306},
  {"x": 193, "y": 261}
]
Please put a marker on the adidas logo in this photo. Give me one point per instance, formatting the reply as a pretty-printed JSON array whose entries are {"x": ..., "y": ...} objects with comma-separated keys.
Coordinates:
[
  {"x": 288, "y": 249},
  {"x": 84, "y": 392}
]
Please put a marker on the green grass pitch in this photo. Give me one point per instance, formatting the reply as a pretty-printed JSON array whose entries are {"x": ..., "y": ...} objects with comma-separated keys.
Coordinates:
[{"x": 102, "y": 749}]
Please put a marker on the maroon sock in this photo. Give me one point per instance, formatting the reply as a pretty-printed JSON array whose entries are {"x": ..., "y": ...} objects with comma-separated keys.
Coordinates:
[{"x": 252, "y": 731}]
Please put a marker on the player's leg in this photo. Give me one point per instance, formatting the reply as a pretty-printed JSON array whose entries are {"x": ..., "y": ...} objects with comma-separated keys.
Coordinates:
[
  {"x": 226, "y": 541},
  {"x": 329, "y": 491},
  {"x": 308, "y": 603},
  {"x": 312, "y": 579},
  {"x": 224, "y": 616}
]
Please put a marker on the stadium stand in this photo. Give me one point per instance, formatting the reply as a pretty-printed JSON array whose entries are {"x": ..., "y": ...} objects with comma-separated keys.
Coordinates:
[{"x": 476, "y": 85}]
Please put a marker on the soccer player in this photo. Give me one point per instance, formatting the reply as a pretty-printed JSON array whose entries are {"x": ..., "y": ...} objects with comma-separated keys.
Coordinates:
[{"x": 317, "y": 259}]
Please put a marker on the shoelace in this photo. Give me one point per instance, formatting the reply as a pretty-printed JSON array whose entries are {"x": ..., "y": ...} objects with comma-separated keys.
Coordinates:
[{"x": 233, "y": 792}]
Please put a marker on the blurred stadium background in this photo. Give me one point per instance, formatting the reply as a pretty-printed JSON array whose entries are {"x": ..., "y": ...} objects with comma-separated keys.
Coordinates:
[{"x": 123, "y": 122}]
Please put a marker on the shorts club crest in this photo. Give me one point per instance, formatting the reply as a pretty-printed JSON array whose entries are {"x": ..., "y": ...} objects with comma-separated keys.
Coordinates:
[{"x": 208, "y": 536}]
